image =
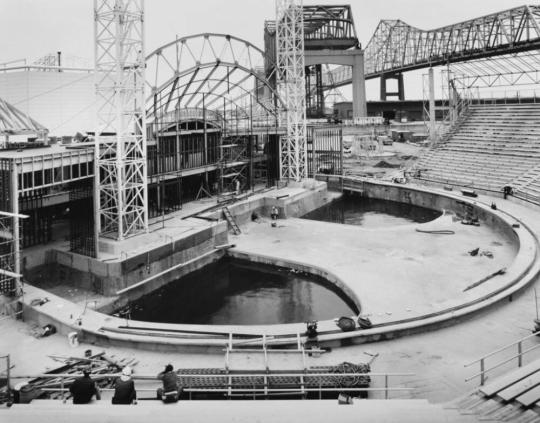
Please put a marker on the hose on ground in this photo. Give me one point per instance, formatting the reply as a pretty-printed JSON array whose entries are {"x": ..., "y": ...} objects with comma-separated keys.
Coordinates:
[{"x": 436, "y": 231}]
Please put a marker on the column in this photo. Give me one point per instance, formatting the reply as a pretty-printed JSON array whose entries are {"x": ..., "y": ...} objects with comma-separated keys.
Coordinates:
[
  {"x": 431, "y": 83},
  {"x": 359, "y": 86}
]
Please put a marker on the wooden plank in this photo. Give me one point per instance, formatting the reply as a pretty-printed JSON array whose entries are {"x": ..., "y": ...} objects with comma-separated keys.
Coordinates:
[
  {"x": 520, "y": 387},
  {"x": 509, "y": 379},
  {"x": 530, "y": 397}
]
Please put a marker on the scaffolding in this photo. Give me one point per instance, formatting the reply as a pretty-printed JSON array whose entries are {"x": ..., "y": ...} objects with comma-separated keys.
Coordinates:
[
  {"x": 10, "y": 269},
  {"x": 291, "y": 87},
  {"x": 121, "y": 197}
]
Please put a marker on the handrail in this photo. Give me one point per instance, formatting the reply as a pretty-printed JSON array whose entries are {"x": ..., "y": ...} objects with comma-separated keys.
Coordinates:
[
  {"x": 253, "y": 388},
  {"x": 501, "y": 363},
  {"x": 503, "y": 348},
  {"x": 205, "y": 375},
  {"x": 520, "y": 353}
]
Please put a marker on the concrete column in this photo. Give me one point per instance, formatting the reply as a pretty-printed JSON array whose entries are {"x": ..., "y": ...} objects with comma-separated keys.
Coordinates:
[
  {"x": 359, "y": 86},
  {"x": 431, "y": 84},
  {"x": 401, "y": 87}
]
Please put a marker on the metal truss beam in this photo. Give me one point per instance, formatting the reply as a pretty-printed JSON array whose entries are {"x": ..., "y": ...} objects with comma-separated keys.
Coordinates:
[
  {"x": 291, "y": 87},
  {"x": 518, "y": 69},
  {"x": 14, "y": 122},
  {"x": 120, "y": 142},
  {"x": 329, "y": 26}
]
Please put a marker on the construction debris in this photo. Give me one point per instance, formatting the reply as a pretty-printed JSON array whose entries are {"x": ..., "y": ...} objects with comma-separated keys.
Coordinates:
[{"x": 56, "y": 387}]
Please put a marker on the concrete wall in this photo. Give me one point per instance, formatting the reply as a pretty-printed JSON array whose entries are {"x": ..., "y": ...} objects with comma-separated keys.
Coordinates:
[
  {"x": 435, "y": 201},
  {"x": 295, "y": 205},
  {"x": 109, "y": 277}
]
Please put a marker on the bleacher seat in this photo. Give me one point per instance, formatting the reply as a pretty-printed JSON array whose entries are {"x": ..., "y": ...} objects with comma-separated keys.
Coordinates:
[{"x": 492, "y": 146}]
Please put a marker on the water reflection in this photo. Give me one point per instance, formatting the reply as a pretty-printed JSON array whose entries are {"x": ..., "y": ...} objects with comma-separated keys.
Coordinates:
[
  {"x": 238, "y": 292},
  {"x": 371, "y": 212}
]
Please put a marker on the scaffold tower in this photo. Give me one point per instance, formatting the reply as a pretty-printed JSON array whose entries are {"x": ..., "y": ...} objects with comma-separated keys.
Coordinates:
[
  {"x": 291, "y": 88},
  {"x": 120, "y": 139}
]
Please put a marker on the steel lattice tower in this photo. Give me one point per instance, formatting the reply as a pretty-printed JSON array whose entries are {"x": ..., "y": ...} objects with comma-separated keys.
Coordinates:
[
  {"x": 291, "y": 88},
  {"x": 120, "y": 141}
]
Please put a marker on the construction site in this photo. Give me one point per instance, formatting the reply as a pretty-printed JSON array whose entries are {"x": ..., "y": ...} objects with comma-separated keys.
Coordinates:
[{"x": 247, "y": 214}]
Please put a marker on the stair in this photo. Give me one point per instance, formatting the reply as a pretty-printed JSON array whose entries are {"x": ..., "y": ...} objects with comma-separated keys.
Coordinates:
[
  {"x": 232, "y": 222},
  {"x": 510, "y": 398}
]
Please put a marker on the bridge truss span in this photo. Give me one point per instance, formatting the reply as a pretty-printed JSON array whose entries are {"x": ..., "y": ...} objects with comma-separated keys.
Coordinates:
[{"x": 397, "y": 47}]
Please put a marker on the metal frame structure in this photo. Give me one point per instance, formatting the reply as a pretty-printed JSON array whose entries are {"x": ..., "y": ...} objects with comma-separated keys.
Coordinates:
[
  {"x": 10, "y": 246},
  {"x": 291, "y": 87},
  {"x": 121, "y": 197},
  {"x": 15, "y": 122},
  {"x": 519, "y": 69},
  {"x": 329, "y": 26},
  {"x": 226, "y": 70},
  {"x": 206, "y": 88}
]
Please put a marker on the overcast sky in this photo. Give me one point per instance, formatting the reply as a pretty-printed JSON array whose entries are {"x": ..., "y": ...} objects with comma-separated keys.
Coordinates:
[{"x": 32, "y": 28}]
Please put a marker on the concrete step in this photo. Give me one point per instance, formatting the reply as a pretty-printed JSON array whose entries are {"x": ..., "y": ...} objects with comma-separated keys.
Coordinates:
[{"x": 404, "y": 411}]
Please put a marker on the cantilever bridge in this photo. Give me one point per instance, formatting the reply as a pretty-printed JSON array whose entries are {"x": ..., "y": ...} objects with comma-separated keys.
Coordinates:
[{"x": 397, "y": 47}]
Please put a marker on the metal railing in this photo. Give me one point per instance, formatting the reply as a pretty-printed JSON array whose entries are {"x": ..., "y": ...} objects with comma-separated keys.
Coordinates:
[
  {"x": 242, "y": 388},
  {"x": 523, "y": 96},
  {"x": 522, "y": 194},
  {"x": 518, "y": 357}
]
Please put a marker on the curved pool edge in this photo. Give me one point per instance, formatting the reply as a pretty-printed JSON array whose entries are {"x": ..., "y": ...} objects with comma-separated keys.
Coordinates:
[{"x": 93, "y": 329}]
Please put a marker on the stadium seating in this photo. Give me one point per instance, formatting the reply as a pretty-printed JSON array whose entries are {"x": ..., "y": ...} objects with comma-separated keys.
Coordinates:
[{"x": 493, "y": 146}]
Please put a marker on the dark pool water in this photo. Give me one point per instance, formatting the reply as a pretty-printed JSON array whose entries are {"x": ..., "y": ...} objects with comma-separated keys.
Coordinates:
[
  {"x": 242, "y": 293},
  {"x": 372, "y": 213}
]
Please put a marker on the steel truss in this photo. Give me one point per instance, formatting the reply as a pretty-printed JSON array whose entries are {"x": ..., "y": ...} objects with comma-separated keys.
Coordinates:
[
  {"x": 120, "y": 142},
  {"x": 15, "y": 122},
  {"x": 327, "y": 26},
  {"x": 226, "y": 71},
  {"x": 519, "y": 69},
  {"x": 291, "y": 87},
  {"x": 398, "y": 47}
]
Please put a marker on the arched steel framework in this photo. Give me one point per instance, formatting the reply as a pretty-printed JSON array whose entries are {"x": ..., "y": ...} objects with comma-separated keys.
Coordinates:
[{"x": 190, "y": 70}]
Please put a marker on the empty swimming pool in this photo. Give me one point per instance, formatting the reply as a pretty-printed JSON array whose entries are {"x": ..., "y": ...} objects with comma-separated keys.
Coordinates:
[
  {"x": 371, "y": 212},
  {"x": 236, "y": 292}
]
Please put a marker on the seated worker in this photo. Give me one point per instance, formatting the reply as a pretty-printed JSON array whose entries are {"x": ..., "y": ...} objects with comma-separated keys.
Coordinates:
[
  {"x": 170, "y": 391},
  {"x": 84, "y": 388},
  {"x": 124, "y": 388}
]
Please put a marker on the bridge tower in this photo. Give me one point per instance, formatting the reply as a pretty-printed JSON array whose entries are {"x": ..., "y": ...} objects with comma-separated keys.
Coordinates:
[
  {"x": 291, "y": 87},
  {"x": 400, "y": 93},
  {"x": 120, "y": 200}
]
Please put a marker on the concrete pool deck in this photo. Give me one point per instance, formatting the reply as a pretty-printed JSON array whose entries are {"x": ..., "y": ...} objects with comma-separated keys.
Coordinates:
[{"x": 402, "y": 282}]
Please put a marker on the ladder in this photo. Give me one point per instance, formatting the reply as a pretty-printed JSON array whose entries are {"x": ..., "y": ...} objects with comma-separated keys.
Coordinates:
[{"x": 230, "y": 219}]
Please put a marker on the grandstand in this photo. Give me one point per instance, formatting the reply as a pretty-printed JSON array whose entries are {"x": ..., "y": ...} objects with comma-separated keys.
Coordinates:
[{"x": 492, "y": 146}]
